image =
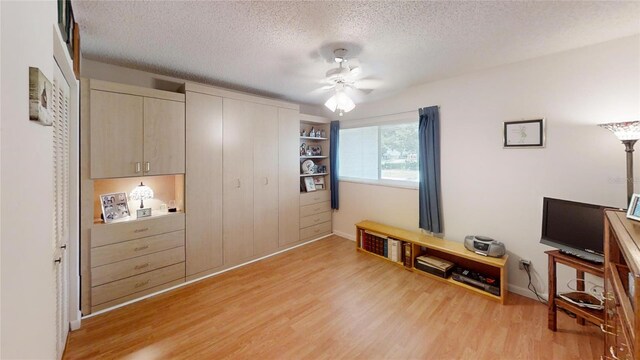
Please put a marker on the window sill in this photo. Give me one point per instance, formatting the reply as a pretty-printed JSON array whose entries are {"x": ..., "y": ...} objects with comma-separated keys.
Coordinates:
[{"x": 388, "y": 183}]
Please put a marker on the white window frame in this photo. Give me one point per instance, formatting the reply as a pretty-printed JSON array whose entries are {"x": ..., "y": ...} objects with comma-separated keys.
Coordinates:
[{"x": 398, "y": 119}]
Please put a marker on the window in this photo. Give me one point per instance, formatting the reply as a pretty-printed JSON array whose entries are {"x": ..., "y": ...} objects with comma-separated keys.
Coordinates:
[{"x": 383, "y": 154}]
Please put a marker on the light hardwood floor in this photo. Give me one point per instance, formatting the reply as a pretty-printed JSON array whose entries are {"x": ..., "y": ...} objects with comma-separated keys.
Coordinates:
[{"x": 326, "y": 301}]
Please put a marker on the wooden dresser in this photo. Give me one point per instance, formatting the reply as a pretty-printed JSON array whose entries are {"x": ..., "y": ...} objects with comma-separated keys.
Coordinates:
[
  {"x": 622, "y": 276},
  {"x": 133, "y": 258}
]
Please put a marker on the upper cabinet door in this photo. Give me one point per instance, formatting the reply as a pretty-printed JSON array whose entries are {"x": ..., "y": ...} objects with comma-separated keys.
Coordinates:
[
  {"x": 116, "y": 134},
  {"x": 164, "y": 137}
]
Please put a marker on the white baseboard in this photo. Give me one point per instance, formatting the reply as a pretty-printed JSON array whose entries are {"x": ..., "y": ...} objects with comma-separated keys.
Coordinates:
[
  {"x": 345, "y": 235},
  {"x": 526, "y": 292},
  {"x": 75, "y": 324},
  {"x": 200, "y": 278}
]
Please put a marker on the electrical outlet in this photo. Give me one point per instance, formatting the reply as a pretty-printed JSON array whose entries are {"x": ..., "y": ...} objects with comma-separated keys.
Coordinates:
[{"x": 524, "y": 262}]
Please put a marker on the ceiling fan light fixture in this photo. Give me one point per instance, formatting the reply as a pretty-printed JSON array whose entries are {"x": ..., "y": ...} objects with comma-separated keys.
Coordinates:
[
  {"x": 340, "y": 102},
  {"x": 332, "y": 103}
]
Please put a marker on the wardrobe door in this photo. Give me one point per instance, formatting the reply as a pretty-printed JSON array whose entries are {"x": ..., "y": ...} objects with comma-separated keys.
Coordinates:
[
  {"x": 289, "y": 176},
  {"x": 203, "y": 182},
  {"x": 265, "y": 185},
  {"x": 164, "y": 137},
  {"x": 116, "y": 134},
  {"x": 237, "y": 180}
]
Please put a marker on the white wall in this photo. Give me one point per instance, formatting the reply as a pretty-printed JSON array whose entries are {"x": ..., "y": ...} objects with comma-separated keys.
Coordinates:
[
  {"x": 27, "y": 301},
  {"x": 498, "y": 192}
]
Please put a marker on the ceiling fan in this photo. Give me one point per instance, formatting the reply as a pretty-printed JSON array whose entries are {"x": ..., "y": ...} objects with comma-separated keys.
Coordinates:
[{"x": 342, "y": 78}]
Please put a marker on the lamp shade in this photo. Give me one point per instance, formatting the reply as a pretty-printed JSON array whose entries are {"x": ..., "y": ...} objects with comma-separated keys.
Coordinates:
[
  {"x": 341, "y": 102},
  {"x": 141, "y": 192},
  {"x": 629, "y": 130}
]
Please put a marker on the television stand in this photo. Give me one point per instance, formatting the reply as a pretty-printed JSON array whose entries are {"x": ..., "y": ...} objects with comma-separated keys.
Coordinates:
[{"x": 582, "y": 266}]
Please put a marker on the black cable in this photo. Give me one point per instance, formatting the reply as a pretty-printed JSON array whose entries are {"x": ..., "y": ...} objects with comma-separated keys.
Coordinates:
[{"x": 531, "y": 286}]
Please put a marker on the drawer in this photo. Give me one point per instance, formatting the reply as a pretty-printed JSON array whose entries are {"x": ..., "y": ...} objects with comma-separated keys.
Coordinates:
[
  {"x": 105, "y": 234},
  {"x": 314, "y": 197},
  {"x": 116, "y": 289},
  {"x": 315, "y": 231},
  {"x": 129, "y": 249},
  {"x": 314, "y": 209},
  {"x": 141, "y": 264},
  {"x": 315, "y": 219}
]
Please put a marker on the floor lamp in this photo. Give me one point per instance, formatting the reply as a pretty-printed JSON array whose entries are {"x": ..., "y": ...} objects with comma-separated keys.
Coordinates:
[{"x": 627, "y": 132}]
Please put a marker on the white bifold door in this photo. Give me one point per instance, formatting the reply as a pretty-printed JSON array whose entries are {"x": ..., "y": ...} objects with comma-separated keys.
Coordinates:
[{"x": 61, "y": 155}]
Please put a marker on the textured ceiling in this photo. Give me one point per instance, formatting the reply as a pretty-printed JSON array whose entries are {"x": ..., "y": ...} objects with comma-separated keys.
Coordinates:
[{"x": 283, "y": 49}]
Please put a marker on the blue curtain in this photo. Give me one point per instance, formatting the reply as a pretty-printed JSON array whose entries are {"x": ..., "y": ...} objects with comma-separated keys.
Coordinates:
[
  {"x": 429, "y": 158},
  {"x": 333, "y": 162}
]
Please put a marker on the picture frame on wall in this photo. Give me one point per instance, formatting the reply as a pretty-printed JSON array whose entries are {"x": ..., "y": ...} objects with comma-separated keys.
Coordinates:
[
  {"x": 114, "y": 207},
  {"x": 309, "y": 185},
  {"x": 524, "y": 134},
  {"x": 633, "y": 212},
  {"x": 40, "y": 97}
]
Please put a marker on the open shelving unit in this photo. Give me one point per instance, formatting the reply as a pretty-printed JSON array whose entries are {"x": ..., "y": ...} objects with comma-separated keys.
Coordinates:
[
  {"x": 446, "y": 249},
  {"x": 321, "y": 159}
]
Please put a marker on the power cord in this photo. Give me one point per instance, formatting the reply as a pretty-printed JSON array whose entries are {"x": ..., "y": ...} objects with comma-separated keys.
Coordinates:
[{"x": 531, "y": 286}]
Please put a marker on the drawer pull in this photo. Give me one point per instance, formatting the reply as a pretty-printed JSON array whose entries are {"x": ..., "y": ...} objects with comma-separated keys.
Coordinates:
[
  {"x": 141, "y": 248},
  {"x": 316, "y": 220},
  {"x": 316, "y": 230},
  {"x": 602, "y": 326},
  {"x": 140, "y": 230},
  {"x": 141, "y": 284},
  {"x": 138, "y": 267}
]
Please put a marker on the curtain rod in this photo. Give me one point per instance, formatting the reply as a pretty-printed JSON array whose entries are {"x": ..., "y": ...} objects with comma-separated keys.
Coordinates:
[{"x": 392, "y": 114}]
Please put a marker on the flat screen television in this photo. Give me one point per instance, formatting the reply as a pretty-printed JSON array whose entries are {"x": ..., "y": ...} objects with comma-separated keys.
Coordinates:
[{"x": 573, "y": 227}]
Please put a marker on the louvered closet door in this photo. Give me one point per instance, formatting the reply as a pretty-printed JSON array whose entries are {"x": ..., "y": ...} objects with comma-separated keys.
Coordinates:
[
  {"x": 265, "y": 182},
  {"x": 237, "y": 180},
  {"x": 61, "y": 205}
]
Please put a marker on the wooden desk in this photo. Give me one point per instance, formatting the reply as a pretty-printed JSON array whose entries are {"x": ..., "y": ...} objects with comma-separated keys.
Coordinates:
[{"x": 582, "y": 267}]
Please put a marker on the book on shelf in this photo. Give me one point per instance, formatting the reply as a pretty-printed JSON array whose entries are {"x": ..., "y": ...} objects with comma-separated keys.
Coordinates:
[{"x": 407, "y": 254}]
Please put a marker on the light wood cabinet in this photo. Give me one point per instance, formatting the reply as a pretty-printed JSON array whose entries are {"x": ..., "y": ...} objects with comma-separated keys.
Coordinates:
[
  {"x": 237, "y": 175},
  {"x": 265, "y": 173},
  {"x": 203, "y": 185},
  {"x": 135, "y": 131},
  {"x": 116, "y": 134},
  {"x": 289, "y": 171},
  {"x": 164, "y": 137}
]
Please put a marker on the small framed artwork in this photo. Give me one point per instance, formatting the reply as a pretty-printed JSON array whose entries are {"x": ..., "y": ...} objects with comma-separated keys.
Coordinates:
[
  {"x": 523, "y": 134},
  {"x": 633, "y": 212},
  {"x": 309, "y": 184},
  {"x": 40, "y": 97},
  {"x": 318, "y": 181},
  {"x": 114, "y": 206}
]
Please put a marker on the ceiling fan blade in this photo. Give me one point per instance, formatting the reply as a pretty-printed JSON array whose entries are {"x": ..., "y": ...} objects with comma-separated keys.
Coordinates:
[
  {"x": 322, "y": 90},
  {"x": 368, "y": 83},
  {"x": 360, "y": 90}
]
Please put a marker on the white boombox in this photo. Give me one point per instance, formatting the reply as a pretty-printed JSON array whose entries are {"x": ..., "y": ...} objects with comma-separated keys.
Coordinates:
[{"x": 483, "y": 245}]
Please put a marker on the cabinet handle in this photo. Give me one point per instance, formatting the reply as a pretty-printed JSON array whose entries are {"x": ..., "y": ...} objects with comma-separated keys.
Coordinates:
[
  {"x": 266, "y": 181},
  {"x": 138, "y": 267},
  {"x": 64, "y": 247},
  {"x": 602, "y": 326},
  {"x": 58, "y": 260},
  {"x": 140, "y": 284},
  {"x": 140, "y": 230},
  {"x": 238, "y": 183},
  {"x": 147, "y": 166},
  {"x": 138, "y": 167},
  {"x": 141, "y": 248}
]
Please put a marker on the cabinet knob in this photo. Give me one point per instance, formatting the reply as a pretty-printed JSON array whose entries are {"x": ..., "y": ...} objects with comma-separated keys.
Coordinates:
[
  {"x": 138, "y": 167},
  {"x": 147, "y": 166}
]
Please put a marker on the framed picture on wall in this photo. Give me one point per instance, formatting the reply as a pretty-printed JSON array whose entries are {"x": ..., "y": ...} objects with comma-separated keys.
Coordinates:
[
  {"x": 524, "y": 134},
  {"x": 309, "y": 184}
]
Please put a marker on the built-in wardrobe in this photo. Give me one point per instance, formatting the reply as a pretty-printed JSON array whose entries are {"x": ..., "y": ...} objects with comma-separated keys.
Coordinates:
[{"x": 228, "y": 161}]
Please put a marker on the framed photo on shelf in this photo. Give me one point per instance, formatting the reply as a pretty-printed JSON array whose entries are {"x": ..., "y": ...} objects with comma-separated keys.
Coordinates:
[
  {"x": 318, "y": 181},
  {"x": 523, "y": 134},
  {"x": 309, "y": 185},
  {"x": 633, "y": 212},
  {"x": 114, "y": 206}
]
